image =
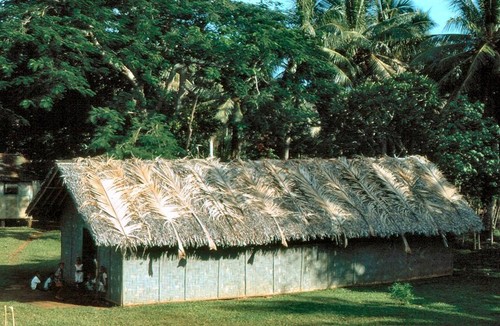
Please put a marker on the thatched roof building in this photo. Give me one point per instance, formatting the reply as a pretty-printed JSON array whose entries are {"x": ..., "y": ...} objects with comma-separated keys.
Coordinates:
[{"x": 198, "y": 203}]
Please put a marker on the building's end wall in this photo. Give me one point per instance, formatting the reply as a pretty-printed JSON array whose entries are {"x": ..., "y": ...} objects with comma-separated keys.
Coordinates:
[{"x": 71, "y": 239}]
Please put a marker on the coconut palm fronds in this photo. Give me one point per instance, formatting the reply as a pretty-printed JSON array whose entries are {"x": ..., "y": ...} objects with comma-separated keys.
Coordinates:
[
  {"x": 155, "y": 198},
  {"x": 434, "y": 178},
  {"x": 221, "y": 179},
  {"x": 359, "y": 178},
  {"x": 218, "y": 204},
  {"x": 285, "y": 185},
  {"x": 262, "y": 196},
  {"x": 441, "y": 192},
  {"x": 314, "y": 192},
  {"x": 183, "y": 195},
  {"x": 343, "y": 194},
  {"x": 108, "y": 196},
  {"x": 193, "y": 203},
  {"x": 405, "y": 173},
  {"x": 395, "y": 189}
]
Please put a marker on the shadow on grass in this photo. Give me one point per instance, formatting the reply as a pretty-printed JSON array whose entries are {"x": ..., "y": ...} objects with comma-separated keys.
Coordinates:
[
  {"x": 16, "y": 233},
  {"x": 443, "y": 301},
  {"x": 27, "y": 234}
]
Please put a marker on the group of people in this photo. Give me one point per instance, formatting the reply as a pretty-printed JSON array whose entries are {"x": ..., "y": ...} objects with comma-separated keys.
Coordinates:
[
  {"x": 56, "y": 280},
  {"x": 53, "y": 280}
]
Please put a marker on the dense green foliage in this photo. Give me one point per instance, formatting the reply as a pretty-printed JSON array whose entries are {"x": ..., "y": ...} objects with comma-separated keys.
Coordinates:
[
  {"x": 468, "y": 147},
  {"x": 151, "y": 78}
]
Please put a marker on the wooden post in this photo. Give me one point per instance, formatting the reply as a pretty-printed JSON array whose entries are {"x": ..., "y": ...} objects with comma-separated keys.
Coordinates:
[
  {"x": 13, "y": 318},
  {"x": 6, "y": 315}
]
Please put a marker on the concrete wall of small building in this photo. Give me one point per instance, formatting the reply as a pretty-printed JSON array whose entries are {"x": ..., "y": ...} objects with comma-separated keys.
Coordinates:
[
  {"x": 15, "y": 198},
  {"x": 233, "y": 273}
]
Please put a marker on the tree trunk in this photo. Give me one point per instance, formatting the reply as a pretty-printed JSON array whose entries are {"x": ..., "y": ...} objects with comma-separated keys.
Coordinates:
[
  {"x": 190, "y": 123},
  {"x": 235, "y": 131},
  {"x": 211, "y": 146},
  {"x": 493, "y": 212},
  {"x": 286, "y": 149},
  {"x": 235, "y": 142}
]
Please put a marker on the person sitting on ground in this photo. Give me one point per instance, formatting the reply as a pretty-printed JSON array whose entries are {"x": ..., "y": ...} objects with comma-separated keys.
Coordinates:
[
  {"x": 35, "y": 282},
  {"x": 49, "y": 282},
  {"x": 90, "y": 283}
]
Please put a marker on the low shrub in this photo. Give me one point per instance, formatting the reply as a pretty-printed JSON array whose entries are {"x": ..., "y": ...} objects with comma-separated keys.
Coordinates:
[{"x": 402, "y": 292}]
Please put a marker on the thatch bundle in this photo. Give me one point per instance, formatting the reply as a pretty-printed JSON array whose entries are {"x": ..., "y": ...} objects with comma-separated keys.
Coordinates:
[{"x": 196, "y": 203}]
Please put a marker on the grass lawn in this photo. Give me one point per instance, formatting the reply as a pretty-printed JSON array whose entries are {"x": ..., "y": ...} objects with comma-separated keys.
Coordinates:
[{"x": 471, "y": 297}]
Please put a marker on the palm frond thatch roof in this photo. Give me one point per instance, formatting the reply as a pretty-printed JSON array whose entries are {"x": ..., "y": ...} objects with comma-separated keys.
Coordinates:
[{"x": 197, "y": 203}]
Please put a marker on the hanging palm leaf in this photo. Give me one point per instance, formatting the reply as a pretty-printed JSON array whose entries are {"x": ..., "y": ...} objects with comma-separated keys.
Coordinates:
[
  {"x": 180, "y": 194},
  {"x": 285, "y": 185},
  {"x": 262, "y": 197},
  {"x": 108, "y": 196},
  {"x": 155, "y": 199},
  {"x": 314, "y": 192},
  {"x": 200, "y": 173}
]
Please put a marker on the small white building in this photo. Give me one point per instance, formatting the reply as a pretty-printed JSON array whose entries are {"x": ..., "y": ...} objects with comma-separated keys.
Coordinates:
[{"x": 17, "y": 188}]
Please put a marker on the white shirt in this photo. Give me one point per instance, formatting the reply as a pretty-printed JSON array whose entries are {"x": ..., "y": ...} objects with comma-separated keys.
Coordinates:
[
  {"x": 47, "y": 283},
  {"x": 34, "y": 282}
]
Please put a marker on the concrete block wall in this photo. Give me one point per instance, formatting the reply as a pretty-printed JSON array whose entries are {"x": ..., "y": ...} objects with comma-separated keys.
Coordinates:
[{"x": 265, "y": 271}]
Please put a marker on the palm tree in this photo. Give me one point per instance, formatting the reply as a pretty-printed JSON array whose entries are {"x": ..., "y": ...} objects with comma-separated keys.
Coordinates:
[
  {"x": 365, "y": 38},
  {"x": 468, "y": 61}
]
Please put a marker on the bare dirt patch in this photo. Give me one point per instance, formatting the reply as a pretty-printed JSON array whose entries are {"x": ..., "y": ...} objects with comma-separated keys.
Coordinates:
[{"x": 72, "y": 297}]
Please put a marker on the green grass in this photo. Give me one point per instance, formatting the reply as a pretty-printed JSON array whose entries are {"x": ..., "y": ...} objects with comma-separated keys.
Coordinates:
[{"x": 470, "y": 298}]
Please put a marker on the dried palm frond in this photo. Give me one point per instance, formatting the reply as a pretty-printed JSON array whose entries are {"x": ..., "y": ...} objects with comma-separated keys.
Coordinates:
[
  {"x": 155, "y": 198},
  {"x": 191, "y": 203},
  {"x": 360, "y": 181},
  {"x": 285, "y": 186},
  {"x": 399, "y": 193},
  {"x": 221, "y": 179},
  {"x": 108, "y": 197},
  {"x": 435, "y": 179},
  {"x": 341, "y": 191},
  {"x": 219, "y": 204},
  {"x": 441, "y": 192},
  {"x": 314, "y": 192},
  {"x": 405, "y": 174},
  {"x": 396, "y": 190},
  {"x": 182, "y": 195},
  {"x": 262, "y": 196}
]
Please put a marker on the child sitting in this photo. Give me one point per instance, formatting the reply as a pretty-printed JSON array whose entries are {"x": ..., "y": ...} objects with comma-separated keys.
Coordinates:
[
  {"x": 35, "y": 282},
  {"x": 49, "y": 282}
]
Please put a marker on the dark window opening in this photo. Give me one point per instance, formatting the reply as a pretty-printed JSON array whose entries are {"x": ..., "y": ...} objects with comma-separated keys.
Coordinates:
[
  {"x": 10, "y": 189},
  {"x": 89, "y": 252}
]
